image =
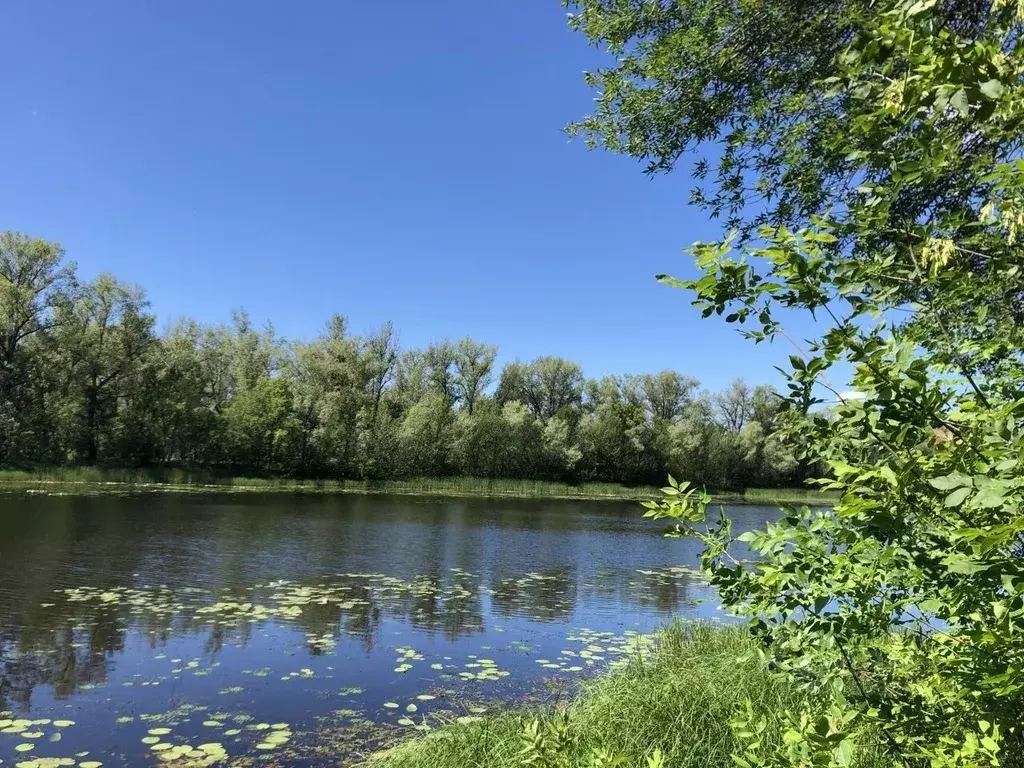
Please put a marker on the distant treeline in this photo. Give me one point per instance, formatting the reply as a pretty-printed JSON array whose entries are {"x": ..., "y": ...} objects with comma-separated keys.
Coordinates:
[{"x": 86, "y": 379}]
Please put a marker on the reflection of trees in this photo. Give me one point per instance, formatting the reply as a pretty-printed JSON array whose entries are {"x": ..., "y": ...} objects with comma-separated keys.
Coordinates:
[
  {"x": 61, "y": 665},
  {"x": 445, "y": 603},
  {"x": 441, "y": 557},
  {"x": 665, "y": 590},
  {"x": 549, "y": 595}
]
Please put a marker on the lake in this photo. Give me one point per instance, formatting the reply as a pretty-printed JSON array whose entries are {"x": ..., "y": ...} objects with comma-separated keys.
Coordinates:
[{"x": 275, "y": 629}]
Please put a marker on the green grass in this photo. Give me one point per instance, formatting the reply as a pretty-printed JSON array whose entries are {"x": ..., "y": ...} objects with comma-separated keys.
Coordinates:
[
  {"x": 679, "y": 700},
  {"x": 783, "y": 496},
  {"x": 96, "y": 479}
]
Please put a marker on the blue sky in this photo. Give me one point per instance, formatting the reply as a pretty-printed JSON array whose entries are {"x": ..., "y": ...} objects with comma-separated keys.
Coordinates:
[{"x": 399, "y": 161}]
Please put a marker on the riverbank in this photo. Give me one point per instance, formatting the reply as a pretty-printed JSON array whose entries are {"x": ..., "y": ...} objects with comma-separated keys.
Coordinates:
[
  {"x": 97, "y": 480},
  {"x": 678, "y": 700}
]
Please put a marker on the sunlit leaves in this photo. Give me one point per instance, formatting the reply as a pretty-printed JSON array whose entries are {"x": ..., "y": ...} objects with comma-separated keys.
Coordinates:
[{"x": 894, "y": 188}]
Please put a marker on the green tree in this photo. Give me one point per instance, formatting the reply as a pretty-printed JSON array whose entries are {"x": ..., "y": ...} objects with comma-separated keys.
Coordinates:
[
  {"x": 89, "y": 381},
  {"x": 548, "y": 385},
  {"x": 425, "y": 436},
  {"x": 101, "y": 342},
  {"x": 615, "y": 442},
  {"x": 734, "y": 406},
  {"x": 667, "y": 394},
  {"x": 35, "y": 285},
  {"x": 330, "y": 386},
  {"x": 441, "y": 374},
  {"x": 481, "y": 443},
  {"x": 474, "y": 370},
  {"x": 253, "y": 354},
  {"x": 260, "y": 424},
  {"x": 881, "y": 142},
  {"x": 184, "y": 415}
]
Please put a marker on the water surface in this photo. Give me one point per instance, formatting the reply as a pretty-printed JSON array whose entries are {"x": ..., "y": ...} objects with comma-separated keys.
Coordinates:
[{"x": 278, "y": 629}]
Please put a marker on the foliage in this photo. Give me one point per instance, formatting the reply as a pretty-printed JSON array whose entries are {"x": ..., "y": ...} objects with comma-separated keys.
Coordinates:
[
  {"x": 868, "y": 157},
  {"x": 671, "y": 709},
  {"x": 86, "y": 380}
]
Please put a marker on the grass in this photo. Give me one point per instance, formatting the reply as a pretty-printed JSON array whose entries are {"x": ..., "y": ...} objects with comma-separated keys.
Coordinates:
[
  {"x": 96, "y": 479},
  {"x": 680, "y": 700}
]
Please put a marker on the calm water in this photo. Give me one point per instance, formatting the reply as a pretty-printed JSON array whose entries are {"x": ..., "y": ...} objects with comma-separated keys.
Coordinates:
[{"x": 278, "y": 629}]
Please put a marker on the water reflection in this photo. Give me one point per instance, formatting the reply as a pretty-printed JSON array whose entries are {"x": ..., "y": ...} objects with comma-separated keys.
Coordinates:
[{"x": 131, "y": 594}]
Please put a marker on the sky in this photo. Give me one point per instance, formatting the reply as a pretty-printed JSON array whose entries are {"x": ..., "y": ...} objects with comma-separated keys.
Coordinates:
[{"x": 399, "y": 161}]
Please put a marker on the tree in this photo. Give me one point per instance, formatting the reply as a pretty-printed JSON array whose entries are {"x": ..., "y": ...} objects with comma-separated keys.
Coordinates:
[
  {"x": 604, "y": 391},
  {"x": 440, "y": 361},
  {"x": 254, "y": 353},
  {"x": 410, "y": 379},
  {"x": 183, "y": 413},
  {"x": 474, "y": 368},
  {"x": 512, "y": 383},
  {"x": 425, "y": 436},
  {"x": 380, "y": 357},
  {"x": 667, "y": 394},
  {"x": 496, "y": 441},
  {"x": 738, "y": 83},
  {"x": 34, "y": 285},
  {"x": 101, "y": 341},
  {"x": 734, "y": 406},
  {"x": 547, "y": 385},
  {"x": 562, "y": 453},
  {"x": 884, "y": 141},
  {"x": 480, "y": 442},
  {"x": 260, "y": 423},
  {"x": 615, "y": 442},
  {"x": 92, "y": 383}
]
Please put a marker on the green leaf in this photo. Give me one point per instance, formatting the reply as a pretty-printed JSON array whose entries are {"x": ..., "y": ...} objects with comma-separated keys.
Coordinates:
[
  {"x": 950, "y": 481},
  {"x": 887, "y": 473},
  {"x": 956, "y": 498},
  {"x": 844, "y": 754},
  {"x": 989, "y": 498},
  {"x": 993, "y": 89},
  {"x": 966, "y": 566},
  {"x": 960, "y": 103}
]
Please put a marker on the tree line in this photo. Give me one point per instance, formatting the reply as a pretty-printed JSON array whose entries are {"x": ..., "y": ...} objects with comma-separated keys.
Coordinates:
[{"x": 86, "y": 378}]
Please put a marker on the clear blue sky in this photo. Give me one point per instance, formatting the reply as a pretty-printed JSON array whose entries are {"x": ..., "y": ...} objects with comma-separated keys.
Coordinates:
[{"x": 399, "y": 161}]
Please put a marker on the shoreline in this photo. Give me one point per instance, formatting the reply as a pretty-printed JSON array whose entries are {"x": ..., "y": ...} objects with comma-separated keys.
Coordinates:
[
  {"x": 99, "y": 482},
  {"x": 676, "y": 700}
]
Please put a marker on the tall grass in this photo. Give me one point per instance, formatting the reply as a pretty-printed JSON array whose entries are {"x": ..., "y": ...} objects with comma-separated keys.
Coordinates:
[
  {"x": 444, "y": 486},
  {"x": 679, "y": 700},
  {"x": 788, "y": 496},
  {"x": 176, "y": 478}
]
